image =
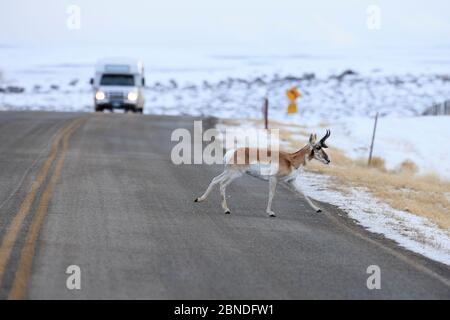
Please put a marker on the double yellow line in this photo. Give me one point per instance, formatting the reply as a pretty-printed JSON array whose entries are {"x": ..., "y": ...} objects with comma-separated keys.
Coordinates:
[{"x": 23, "y": 271}]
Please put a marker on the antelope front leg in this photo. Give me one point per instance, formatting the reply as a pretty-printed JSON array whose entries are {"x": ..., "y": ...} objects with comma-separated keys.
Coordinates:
[
  {"x": 297, "y": 189},
  {"x": 214, "y": 181},
  {"x": 272, "y": 187}
]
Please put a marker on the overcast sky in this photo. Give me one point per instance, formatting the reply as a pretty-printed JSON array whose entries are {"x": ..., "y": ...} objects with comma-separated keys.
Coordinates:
[{"x": 227, "y": 23}]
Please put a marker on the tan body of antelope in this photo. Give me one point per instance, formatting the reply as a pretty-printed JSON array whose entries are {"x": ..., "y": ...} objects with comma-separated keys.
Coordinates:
[{"x": 239, "y": 161}]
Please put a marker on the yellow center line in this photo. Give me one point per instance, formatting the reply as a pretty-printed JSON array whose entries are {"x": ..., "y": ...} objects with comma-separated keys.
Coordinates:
[
  {"x": 11, "y": 235},
  {"x": 19, "y": 287}
]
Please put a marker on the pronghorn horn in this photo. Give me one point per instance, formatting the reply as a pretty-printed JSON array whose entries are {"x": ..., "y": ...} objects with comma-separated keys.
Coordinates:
[{"x": 322, "y": 141}]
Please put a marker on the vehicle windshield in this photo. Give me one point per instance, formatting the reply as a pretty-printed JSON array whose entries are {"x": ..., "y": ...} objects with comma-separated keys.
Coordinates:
[{"x": 117, "y": 80}]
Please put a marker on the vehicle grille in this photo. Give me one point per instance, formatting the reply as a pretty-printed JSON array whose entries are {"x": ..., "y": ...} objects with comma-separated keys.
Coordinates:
[{"x": 115, "y": 96}]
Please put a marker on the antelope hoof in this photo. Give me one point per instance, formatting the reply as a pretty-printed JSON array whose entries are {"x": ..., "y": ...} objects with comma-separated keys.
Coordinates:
[
  {"x": 196, "y": 200},
  {"x": 227, "y": 212},
  {"x": 272, "y": 214},
  {"x": 319, "y": 210}
]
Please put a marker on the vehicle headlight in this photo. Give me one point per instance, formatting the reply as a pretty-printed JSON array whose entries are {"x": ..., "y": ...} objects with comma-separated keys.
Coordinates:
[
  {"x": 100, "y": 95},
  {"x": 132, "y": 96}
]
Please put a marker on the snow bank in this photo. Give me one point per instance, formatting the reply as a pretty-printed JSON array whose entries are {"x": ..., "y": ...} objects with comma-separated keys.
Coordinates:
[{"x": 414, "y": 233}]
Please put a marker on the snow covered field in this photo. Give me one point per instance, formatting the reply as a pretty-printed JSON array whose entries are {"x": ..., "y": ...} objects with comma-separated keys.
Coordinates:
[
  {"x": 422, "y": 140},
  {"x": 229, "y": 85}
]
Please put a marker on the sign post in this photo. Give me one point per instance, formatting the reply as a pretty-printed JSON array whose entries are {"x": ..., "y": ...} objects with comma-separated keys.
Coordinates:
[
  {"x": 266, "y": 113},
  {"x": 373, "y": 138}
]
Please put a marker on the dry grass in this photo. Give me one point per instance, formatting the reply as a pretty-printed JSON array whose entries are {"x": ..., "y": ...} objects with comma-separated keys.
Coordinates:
[
  {"x": 408, "y": 166},
  {"x": 403, "y": 189},
  {"x": 378, "y": 163}
]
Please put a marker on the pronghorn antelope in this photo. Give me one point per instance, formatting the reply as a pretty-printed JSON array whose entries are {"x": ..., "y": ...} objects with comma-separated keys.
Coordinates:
[{"x": 239, "y": 161}]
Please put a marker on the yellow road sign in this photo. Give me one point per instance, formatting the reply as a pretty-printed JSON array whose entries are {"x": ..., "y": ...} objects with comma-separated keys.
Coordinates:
[{"x": 293, "y": 93}]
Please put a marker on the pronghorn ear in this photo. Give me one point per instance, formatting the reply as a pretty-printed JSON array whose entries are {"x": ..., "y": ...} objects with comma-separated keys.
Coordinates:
[{"x": 312, "y": 139}]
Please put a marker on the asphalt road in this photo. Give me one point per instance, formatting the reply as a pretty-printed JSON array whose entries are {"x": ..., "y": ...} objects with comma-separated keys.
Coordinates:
[{"x": 99, "y": 191}]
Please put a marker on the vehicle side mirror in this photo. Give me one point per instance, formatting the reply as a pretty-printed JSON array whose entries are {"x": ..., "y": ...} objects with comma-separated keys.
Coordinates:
[
  {"x": 91, "y": 81},
  {"x": 143, "y": 81}
]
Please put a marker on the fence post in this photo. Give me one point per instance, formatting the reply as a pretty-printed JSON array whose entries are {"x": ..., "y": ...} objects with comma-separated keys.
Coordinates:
[
  {"x": 373, "y": 138},
  {"x": 266, "y": 113}
]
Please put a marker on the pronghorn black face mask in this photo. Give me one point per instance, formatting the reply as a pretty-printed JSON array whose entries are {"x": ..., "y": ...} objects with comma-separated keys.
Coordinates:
[{"x": 317, "y": 151}]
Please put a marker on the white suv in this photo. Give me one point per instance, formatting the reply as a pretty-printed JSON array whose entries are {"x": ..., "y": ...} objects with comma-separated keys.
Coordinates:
[{"x": 118, "y": 84}]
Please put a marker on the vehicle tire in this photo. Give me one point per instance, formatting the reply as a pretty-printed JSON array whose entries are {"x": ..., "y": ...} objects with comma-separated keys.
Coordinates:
[
  {"x": 140, "y": 111},
  {"x": 98, "y": 109}
]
